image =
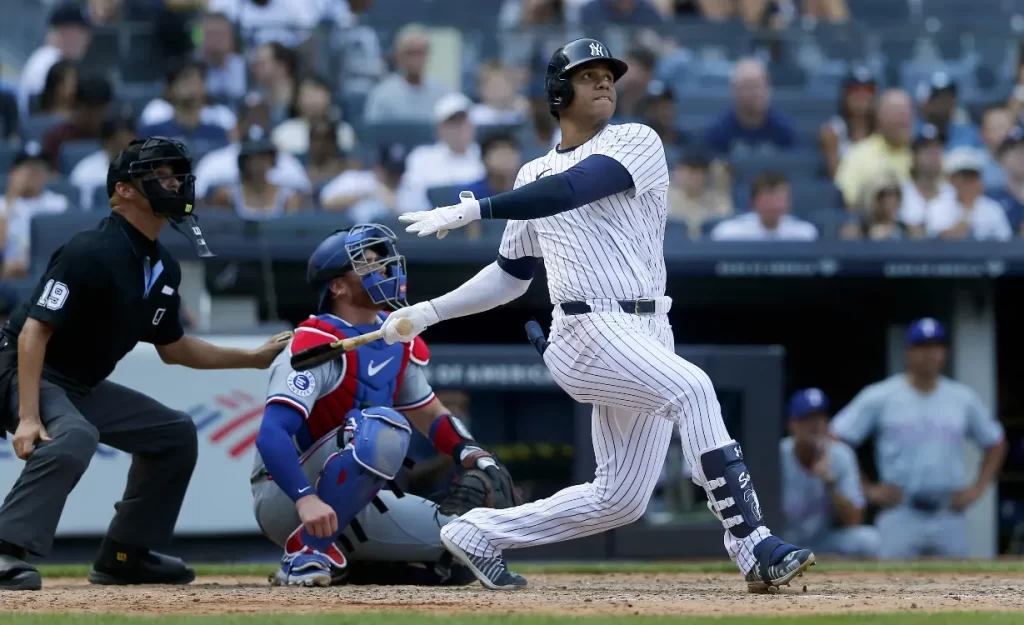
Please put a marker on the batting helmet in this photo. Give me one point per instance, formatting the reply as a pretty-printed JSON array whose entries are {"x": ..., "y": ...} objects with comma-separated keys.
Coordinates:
[
  {"x": 557, "y": 81},
  {"x": 383, "y": 276}
]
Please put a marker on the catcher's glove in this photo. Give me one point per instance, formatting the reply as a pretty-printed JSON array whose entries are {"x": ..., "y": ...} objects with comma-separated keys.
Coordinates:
[{"x": 487, "y": 486}]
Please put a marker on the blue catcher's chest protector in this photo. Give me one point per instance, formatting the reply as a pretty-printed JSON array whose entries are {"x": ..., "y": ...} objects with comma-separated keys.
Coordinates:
[{"x": 372, "y": 372}]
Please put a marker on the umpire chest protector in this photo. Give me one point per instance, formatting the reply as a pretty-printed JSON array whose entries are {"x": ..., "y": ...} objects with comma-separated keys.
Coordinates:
[{"x": 558, "y": 78}]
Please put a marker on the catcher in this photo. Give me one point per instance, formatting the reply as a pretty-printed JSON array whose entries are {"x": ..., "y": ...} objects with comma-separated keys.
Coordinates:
[{"x": 334, "y": 444}]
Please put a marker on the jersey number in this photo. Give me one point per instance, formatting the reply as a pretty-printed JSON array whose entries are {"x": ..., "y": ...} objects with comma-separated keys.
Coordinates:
[
  {"x": 54, "y": 295},
  {"x": 158, "y": 316}
]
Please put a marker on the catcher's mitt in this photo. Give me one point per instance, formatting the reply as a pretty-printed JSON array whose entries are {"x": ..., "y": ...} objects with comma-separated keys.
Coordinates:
[{"x": 491, "y": 487}]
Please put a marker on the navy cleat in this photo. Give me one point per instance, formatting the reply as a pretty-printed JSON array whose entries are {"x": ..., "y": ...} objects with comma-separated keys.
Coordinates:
[
  {"x": 308, "y": 568},
  {"x": 778, "y": 563},
  {"x": 492, "y": 572}
]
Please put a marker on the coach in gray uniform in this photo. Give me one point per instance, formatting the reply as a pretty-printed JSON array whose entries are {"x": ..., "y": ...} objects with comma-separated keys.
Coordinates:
[{"x": 104, "y": 291}]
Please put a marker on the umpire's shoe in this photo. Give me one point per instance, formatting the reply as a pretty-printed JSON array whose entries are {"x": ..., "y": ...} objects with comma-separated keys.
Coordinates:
[
  {"x": 492, "y": 572},
  {"x": 778, "y": 563},
  {"x": 123, "y": 565},
  {"x": 15, "y": 573}
]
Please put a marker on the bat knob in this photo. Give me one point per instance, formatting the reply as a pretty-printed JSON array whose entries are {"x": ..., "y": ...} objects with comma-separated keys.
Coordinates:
[{"x": 404, "y": 327}]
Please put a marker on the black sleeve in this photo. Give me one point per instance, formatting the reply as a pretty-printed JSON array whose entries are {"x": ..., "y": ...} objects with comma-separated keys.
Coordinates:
[
  {"x": 73, "y": 278},
  {"x": 166, "y": 326}
]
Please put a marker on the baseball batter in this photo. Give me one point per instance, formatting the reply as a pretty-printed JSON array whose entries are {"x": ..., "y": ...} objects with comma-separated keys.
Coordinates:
[
  {"x": 334, "y": 436},
  {"x": 594, "y": 210}
]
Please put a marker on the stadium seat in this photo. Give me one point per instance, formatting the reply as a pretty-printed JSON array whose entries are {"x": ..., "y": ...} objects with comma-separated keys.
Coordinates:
[
  {"x": 409, "y": 134},
  {"x": 49, "y": 232},
  {"x": 65, "y": 188},
  {"x": 444, "y": 196},
  {"x": 828, "y": 221},
  {"x": 793, "y": 164},
  {"x": 7, "y": 153},
  {"x": 33, "y": 128},
  {"x": 709, "y": 225},
  {"x": 72, "y": 152}
]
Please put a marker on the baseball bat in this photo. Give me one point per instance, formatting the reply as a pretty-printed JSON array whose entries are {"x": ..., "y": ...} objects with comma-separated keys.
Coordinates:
[
  {"x": 315, "y": 356},
  {"x": 535, "y": 334}
]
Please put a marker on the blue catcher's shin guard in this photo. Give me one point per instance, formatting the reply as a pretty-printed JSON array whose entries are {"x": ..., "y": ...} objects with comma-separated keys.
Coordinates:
[{"x": 730, "y": 489}]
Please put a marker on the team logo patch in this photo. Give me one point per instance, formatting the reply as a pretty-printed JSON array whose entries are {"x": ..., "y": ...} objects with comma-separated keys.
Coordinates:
[{"x": 301, "y": 383}]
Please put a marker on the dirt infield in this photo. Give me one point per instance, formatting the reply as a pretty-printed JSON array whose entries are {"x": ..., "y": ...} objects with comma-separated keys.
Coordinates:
[{"x": 694, "y": 594}]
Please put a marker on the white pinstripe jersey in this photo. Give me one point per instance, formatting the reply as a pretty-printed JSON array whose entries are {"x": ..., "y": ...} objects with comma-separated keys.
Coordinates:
[{"x": 613, "y": 248}]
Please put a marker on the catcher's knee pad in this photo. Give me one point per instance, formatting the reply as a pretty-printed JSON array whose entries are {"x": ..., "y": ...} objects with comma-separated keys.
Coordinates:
[
  {"x": 381, "y": 441},
  {"x": 730, "y": 489},
  {"x": 347, "y": 486}
]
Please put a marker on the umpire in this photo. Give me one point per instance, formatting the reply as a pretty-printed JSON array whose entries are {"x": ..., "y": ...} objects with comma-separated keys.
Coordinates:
[{"x": 104, "y": 291}]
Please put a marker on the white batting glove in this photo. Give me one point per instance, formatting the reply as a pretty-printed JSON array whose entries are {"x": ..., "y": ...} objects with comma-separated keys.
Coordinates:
[
  {"x": 422, "y": 316},
  {"x": 444, "y": 218}
]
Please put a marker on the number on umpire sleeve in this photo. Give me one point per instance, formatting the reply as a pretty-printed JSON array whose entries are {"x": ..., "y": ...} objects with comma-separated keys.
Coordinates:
[
  {"x": 54, "y": 295},
  {"x": 158, "y": 316}
]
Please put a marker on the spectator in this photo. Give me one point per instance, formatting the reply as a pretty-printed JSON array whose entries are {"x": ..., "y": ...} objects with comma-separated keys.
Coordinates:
[
  {"x": 313, "y": 102},
  {"x": 326, "y": 159},
  {"x": 186, "y": 93},
  {"x": 274, "y": 69},
  {"x": 530, "y": 30},
  {"x": 940, "y": 108},
  {"x": 996, "y": 123},
  {"x": 502, "y": 160},
  {"x": 220, "y": 167},
  {"x": 542, "y": 130},
  {"x": 770, "y": 220},
  {"x": 927, "y": 184},
  {"x": 184, "y": 76},
  {"x": 620, "y": 12},
  {"x": 822, "y": 500},
  {"x": 90, "y": 174},
  {"x": 500, "y": 104},
  {"x": 288, "y": 22},
  {"x": 658, "y": 110},
  {"x": 855, "y": 121},
  {"x": 691, "y": 196},
  {"x": 67, "y": 37},
  {"x": 968, "y": 213},
  {"x": 454, "y": 159},
  {"x": 253, "y": 197},
  {"x": 921, "y": 421},
  {"x": 105, "y": 12},
  {"x": 887, "y": 148},
  {"x": 368, "y": 195},
  {"x": 58, "y": 97},
  {"x": 406, "y": 96},
  {"x": 225, "y": 68},
  {"x": 25, "y": 197},
  {"x": 634, "y": 86},
  {"x": 752, "y": 125},
  {"x": 358, "y": 46},
  {"x": 880, "y": 211},
  {"x": 92, "y": 101},
  {"x": 1011, "y": 195}
]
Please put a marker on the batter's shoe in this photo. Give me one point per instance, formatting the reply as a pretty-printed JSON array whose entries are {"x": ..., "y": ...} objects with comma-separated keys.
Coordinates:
[
  {"x": 778, "y": 563},
  {"x": 492, "y": 572},
  {"x": 124, "y": 565},
  {"x": 309, "y": 568},
  {"x": 15, "y": 573}
]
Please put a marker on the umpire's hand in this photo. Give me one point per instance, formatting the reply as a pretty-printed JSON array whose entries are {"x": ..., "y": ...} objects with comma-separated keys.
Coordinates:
[{"x": 30, "y": 431}]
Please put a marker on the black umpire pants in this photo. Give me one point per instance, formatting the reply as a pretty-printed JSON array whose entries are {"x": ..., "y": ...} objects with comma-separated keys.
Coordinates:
[{"x": 163, "y": 444}]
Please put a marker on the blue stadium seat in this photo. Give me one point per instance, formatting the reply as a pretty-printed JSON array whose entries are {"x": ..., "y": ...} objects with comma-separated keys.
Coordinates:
[
  {"x": 71, "y": 152},
  {"x": 709, "y": 225},
  {"x": 444, "y": 196},
  {"x": 33, "y": 128},
  {"x": 7, "y": 153},
  {"x": 409, "y": 134},
  {"x": 100, "y": 199},
  {"x": 49, "y": 232},
  {"x": 794, "y": 164},
  {"x": 828, "y": 221},
  {"x": 68, "y": 190},
  {"x": 813, "y": 195}
]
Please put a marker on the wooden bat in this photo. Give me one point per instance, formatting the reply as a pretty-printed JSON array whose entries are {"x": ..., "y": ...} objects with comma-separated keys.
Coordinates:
[{"x": 315, "y": 356}]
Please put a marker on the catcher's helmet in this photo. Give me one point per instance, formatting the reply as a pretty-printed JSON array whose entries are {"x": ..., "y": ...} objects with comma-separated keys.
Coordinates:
[
  {"x": 139, "y": 162},
  {"x": 344, "y": 251},
  {"x": 557, "y": 81}
]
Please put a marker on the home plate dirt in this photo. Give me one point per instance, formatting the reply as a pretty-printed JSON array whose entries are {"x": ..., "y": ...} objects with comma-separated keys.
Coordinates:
[{"x": 711, "y": 594}]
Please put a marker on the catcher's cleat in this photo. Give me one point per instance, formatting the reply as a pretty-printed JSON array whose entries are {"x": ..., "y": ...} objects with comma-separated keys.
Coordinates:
[
  {"x": 492, "y": 572},
  {"x": 778, "y": 563},
  {"x": 309, "y": 568}
]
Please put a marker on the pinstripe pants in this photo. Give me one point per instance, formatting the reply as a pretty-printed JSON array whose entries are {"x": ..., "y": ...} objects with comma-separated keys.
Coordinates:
[{"x": 626, "y": 366}]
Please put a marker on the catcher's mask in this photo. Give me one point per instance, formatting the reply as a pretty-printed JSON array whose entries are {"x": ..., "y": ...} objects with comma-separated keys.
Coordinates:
[
  {"x": 383, "y": 276},
  {"x": 137, "y": 165}
]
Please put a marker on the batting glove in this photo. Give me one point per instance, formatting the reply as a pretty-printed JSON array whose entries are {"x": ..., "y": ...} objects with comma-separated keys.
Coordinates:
[
  {"x": 444, "y": 218},
  {"x": 422, "y": 316}
]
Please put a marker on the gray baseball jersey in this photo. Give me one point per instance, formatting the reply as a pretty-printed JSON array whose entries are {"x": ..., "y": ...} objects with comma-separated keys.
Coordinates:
[{"x": 806, "y": 505}]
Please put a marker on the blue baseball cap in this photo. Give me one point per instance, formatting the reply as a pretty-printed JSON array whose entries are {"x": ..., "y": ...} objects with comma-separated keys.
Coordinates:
[
  {"x": 807, "y": 401},
  {"x": 926, "y": 330}
]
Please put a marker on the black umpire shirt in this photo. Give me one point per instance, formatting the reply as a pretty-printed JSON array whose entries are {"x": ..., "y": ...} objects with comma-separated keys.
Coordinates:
[{"x": 104, "y": 291}]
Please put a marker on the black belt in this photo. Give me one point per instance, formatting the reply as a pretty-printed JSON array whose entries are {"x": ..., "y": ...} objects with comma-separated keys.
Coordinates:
[{"x": 631, "y": 306}]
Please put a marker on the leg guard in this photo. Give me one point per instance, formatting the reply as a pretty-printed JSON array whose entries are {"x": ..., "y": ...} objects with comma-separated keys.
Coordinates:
[
  {"x": 730, "y": 489},
  {"x": 381, "y": 441}
]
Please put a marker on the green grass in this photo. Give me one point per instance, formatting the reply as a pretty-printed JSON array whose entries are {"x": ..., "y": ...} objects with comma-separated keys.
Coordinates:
[
  {"x": 369, "y": 618},
  {"x": 597, "y": 568}
]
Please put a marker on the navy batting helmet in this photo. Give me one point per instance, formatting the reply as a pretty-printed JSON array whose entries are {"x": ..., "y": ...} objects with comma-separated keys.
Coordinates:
[
  {"x": 383, "y": 275},
  {"x": 557, "y": 81}
]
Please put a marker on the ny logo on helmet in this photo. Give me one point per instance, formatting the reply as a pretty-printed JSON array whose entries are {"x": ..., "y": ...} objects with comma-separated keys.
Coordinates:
[{"x": 596, "y": 49}]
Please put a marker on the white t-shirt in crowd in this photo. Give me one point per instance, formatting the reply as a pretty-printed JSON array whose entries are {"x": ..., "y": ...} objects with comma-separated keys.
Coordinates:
[
  {"x": 33, "y": 74},
  {"x": 914, "y": 209},
  {"x": 288, "y": 21},
  {"x": 220, "y": 168},
  {"x": 88, "y": 175},
  {"x": 159, "y": 111},
  {"x": 987, "y": 218},
  {"x": 748, "y": 227},
  {"x": 435, "y": 165},
  {"x": 364, "y": 183},
  {"x": 19, "y": 219}
]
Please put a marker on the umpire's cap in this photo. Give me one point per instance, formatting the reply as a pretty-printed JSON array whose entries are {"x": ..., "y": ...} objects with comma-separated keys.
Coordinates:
[
  {"x": 557, "y": 81},
  {"x": 806, "y": 402},
  {"x": 926, "y": 331}
]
